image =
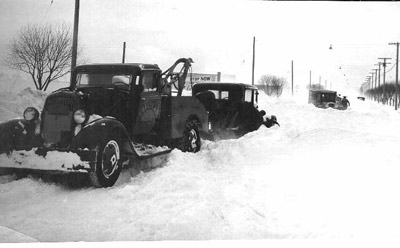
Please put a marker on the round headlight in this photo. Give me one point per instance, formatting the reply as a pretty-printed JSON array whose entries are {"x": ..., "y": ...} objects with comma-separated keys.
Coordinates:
[
  {"x": 80, "y": 116},
  {"x": 31, "y": 114}
]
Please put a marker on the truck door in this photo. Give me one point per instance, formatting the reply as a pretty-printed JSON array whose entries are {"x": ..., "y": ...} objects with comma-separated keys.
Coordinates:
[{"x": 149, "y": 104}]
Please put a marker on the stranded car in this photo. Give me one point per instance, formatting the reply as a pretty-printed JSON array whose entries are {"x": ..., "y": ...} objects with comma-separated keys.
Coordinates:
[
  {"x": 232, "y": 107},
  {"x": 325, "y": 99}
]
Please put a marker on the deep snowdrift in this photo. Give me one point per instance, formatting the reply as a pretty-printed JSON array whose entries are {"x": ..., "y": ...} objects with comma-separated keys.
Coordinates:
[{"x": 322, "y": 174}]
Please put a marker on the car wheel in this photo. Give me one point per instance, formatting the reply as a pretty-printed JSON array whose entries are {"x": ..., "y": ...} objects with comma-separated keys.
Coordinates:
[
  {"x": 191, "y": 141},
  {"x": 109, "y": 162}
]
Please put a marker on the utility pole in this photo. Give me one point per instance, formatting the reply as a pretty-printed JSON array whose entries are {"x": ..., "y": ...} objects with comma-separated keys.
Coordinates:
[
  {"x": 384, "y": 75},
  {"x": 75, "y": 38},
  {"x": 376, "y": 75},
  {"x": 375, "y": 86},
  {"x": 397, "y": 74},
  {"x": 368, "y": 81},
  {"x": 292, "y": 78},
  {"x": 254, "y": 59},
  {"x": 379, "y": 79},
  {"x": 372, "y": 80},
  {"x": 310, "y": 79},
  {"x": 123, "y": 52}
]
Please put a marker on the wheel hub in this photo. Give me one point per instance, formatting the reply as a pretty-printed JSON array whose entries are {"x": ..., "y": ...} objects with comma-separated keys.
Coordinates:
[
  {"x": 193, "y": 139},
  {"x": 110, "y": 158}
]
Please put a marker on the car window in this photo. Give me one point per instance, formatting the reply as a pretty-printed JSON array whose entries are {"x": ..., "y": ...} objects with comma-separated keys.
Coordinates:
[
  {"x": 224, "y": 94},
  {"x": 248, "y": 95},
  {"x": 123, "y": 79},
  {"x": 331, "y": 97},
  {"x": 150, "y": 82},
  {"x": 216, "y": 93}
]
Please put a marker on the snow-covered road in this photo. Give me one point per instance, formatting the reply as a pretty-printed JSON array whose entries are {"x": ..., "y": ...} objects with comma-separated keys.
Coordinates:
[{"x": 322, "y": 174}]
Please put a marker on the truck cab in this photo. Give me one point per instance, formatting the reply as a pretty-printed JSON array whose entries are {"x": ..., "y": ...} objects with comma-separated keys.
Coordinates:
[{"x": 131, "y": 93}]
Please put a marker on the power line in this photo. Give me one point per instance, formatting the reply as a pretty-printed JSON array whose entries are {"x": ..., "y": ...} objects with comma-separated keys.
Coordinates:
[
  {"x": 391, "y": 68},
  {"x": 381, "y": 76},
  {"x": 47, "y": 11}
]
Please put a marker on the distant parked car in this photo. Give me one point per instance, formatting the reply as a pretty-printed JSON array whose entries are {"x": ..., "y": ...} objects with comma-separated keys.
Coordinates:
[{"x": 361, "y": 98}]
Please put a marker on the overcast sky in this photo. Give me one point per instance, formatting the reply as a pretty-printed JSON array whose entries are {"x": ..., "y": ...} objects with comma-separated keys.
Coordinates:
[{"x": 218, "y": 34}]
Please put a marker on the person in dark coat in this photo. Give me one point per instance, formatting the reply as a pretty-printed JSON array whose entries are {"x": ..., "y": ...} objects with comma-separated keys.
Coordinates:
[{"x": 345, "y": 103}]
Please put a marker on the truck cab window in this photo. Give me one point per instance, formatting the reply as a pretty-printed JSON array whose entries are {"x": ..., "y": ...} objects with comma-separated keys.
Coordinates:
[
  {"x": 149, "y": 82},
  {"x": 248, "y": 96},
  {"x": 224, "y": 94},
  {"x": 102, "y": 79}
]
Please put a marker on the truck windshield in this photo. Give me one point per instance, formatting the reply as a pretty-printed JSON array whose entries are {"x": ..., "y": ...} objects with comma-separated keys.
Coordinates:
[{"x": 102, "y": 79}]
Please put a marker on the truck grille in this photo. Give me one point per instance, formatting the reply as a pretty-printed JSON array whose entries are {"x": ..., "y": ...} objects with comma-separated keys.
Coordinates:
[
  {"x": 57, "y": 121},
  {"x": 60, "y": 106}
]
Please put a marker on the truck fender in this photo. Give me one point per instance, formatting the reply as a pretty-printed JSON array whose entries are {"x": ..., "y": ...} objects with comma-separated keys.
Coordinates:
[{"x": 94, "y": 132}]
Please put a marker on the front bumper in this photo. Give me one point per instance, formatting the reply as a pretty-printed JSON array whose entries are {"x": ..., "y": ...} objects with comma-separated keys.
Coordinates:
[{"x": 55, "y": 161}]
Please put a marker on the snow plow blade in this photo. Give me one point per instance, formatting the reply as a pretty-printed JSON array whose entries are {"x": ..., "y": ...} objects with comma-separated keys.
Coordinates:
[{"x": 51, "y": 162}]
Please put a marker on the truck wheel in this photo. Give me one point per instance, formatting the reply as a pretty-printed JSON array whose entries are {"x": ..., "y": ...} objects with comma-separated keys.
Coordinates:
[
  {"x": 109, "y": 162},
  {"x": 191, "y": 138}
]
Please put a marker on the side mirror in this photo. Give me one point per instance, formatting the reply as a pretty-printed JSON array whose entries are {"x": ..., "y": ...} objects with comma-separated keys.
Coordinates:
[{"x": 262, "y": 112}]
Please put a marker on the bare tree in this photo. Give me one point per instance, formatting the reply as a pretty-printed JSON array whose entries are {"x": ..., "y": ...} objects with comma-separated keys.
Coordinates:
[
  {"x": 272, "y": 84},
  {"x": 44, "y": 52}
]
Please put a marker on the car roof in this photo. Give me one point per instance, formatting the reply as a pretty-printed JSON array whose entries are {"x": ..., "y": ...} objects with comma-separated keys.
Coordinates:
[
  {"x": 323, "y": 91},
  {"x": 123, "y": 67}
]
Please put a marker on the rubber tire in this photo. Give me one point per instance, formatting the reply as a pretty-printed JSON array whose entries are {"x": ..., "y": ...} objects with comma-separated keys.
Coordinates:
[
  {"x": 110, "y": 149},
  {"x": 191, "y": 141}
]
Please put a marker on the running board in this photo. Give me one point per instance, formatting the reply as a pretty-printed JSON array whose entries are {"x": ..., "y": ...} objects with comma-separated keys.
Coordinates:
[{"x": 145, "y": 151}]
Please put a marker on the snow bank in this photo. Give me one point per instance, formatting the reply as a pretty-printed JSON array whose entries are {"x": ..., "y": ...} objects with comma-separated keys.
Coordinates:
[{"x": 11, "y": 236}]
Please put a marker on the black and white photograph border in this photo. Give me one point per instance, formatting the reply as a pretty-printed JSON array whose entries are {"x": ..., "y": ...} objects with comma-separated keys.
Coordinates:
[{"x": 314, "y": 157}]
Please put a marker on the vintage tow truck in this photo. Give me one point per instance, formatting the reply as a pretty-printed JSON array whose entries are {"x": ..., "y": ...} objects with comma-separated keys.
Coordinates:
[
  {"x": 109, "y": 114},
  {"x": 233, "y": 109}
]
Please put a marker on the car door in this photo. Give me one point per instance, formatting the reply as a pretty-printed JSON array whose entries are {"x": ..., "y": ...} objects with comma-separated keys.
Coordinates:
[{"x": 149, "y": 105}]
